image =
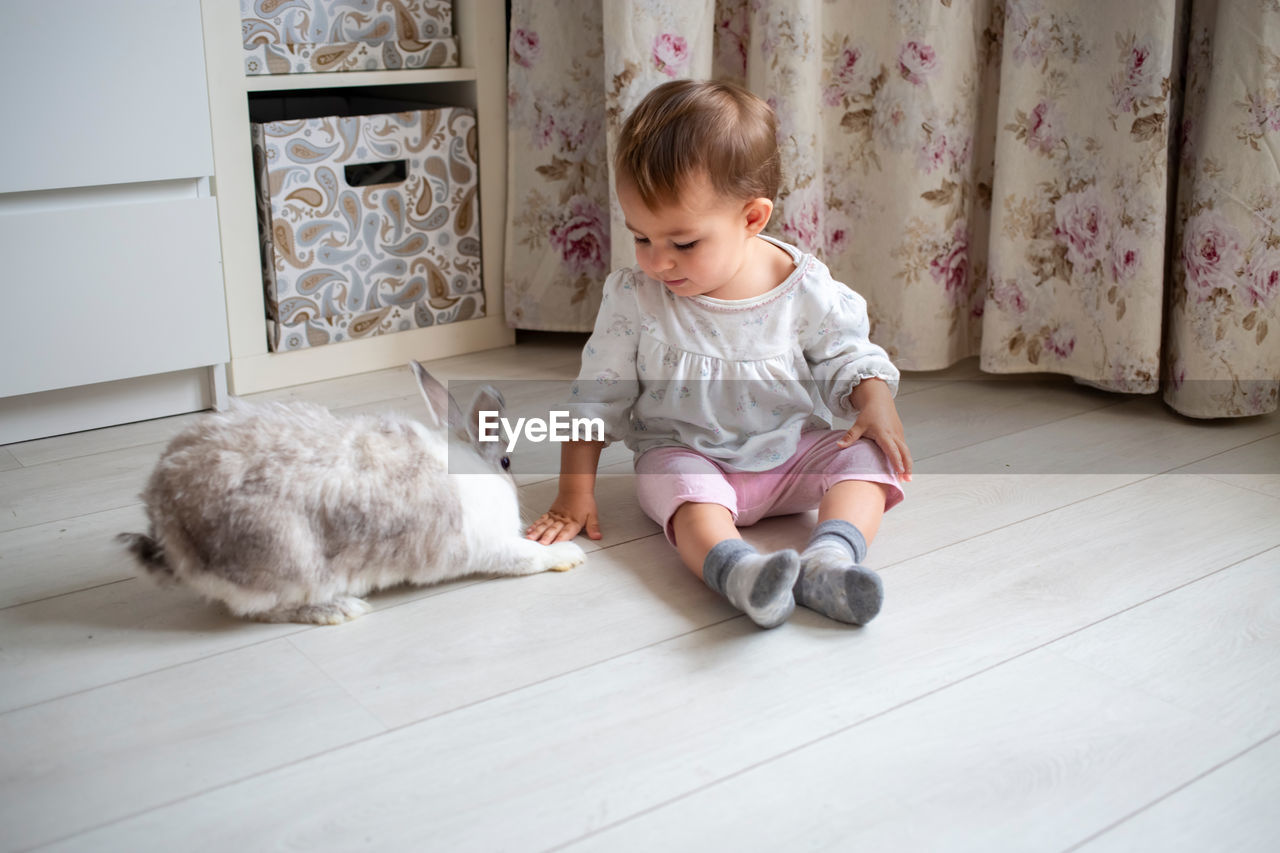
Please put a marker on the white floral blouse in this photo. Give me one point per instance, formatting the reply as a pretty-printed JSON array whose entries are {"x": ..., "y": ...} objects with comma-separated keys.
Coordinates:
[{"x": 735, "y": 380}]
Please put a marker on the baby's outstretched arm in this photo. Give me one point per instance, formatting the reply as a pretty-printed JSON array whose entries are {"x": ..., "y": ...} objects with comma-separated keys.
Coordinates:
[
  {"x": 878, "y": 420},
  {"x": 575, "y": 505}
]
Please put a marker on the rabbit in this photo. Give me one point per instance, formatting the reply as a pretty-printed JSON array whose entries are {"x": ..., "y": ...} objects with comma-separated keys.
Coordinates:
[{"x": 287, "y": 513}]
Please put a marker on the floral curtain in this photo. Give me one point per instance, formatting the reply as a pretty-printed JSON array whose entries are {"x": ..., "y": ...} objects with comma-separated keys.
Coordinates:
[{"x": 1081, "y": 188}]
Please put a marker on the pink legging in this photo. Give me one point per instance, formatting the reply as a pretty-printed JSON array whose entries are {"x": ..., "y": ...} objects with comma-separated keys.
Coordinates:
[{"x": 667, "y": 477}]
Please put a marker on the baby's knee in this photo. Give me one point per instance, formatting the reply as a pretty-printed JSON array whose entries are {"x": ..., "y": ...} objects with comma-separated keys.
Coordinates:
[
  {"x": 697, "y": 512},
  {"x": 707, "y": 522},
  {"x": 699, "y": 525}
]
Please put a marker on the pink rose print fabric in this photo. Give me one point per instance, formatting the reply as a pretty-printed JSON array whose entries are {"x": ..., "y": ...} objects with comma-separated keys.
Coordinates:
[
  {"x": 670, "y": 54},
  {"x": 1223, "y": 353},
  {"x": 525, "y": 47},
  {"x": 582, "y": 237},
  {"x": 917, "y": 62},
  {"x": 1052, "y": 187}
]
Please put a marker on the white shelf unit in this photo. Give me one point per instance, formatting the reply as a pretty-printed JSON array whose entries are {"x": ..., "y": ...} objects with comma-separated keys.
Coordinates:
[{"x": 479, "y": 83}]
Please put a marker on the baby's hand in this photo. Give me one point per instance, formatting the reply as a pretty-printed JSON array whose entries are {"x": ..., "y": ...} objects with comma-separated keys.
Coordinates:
[
  {"x": 878, "y": 420},
  {"x": 568, "y": 515}
]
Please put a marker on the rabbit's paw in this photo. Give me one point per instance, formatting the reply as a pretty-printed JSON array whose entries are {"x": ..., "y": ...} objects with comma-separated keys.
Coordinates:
[
  {"x": 342, "y": 608},
  {"x": 561, "y": 556},
  {"x": 525, "y": 557}
]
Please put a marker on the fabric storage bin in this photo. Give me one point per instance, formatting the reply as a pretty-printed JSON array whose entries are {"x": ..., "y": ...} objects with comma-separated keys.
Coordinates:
[
  {"x": 306, "y": 36},
  {"x": 369, "y": 224}
]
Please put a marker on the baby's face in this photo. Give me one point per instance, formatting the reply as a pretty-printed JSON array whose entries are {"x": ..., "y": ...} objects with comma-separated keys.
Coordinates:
[{"x": 695, "y": 246}]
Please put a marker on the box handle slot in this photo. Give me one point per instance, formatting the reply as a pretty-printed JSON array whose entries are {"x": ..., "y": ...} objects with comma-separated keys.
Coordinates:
[{"x": 377, "y": 174}]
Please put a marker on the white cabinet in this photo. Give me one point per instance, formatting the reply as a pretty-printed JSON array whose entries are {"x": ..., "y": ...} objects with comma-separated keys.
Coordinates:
[
  {"x": 107, "y": 226},
  {"x": 101, "y": 93},
  {"x": 130, "y": 293}
]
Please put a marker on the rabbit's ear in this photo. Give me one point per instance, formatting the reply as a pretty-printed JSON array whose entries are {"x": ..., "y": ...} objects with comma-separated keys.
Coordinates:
[
  {"x": 458, "y": 424},
  {"x": 488, "y": 399},
  {"x": 436, "y": 395}
]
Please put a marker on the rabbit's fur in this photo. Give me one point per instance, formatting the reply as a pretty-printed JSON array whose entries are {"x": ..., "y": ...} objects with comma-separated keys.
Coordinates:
[{"x": 287, "y": 513}]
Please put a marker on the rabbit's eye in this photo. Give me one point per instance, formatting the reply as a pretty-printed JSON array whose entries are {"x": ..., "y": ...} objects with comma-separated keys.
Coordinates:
[{"x": 506, "y": 463}]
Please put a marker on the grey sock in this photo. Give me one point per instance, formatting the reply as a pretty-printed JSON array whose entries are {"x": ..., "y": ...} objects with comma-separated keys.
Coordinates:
[
  {"x": 760, "y": 585},
  {"x": 831, "y": 581}
]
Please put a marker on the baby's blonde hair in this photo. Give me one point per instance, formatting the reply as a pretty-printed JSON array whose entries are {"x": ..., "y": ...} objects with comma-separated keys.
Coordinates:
[{"x": 686, "y": 127}]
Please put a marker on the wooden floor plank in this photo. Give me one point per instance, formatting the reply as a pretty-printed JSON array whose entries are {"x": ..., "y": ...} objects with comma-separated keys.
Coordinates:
[
  {"x": 942, "y": 509},
  {"x": 1211, "y": 647},
  {"x": 561, "y": 758},
  {"x": 958, "y": 414},
  {"x": 75, "y": 487},
  {"x": 1254, "y": 466},
  {"x": 88, "y": 639},
  {"x": 445, "y": 652},
  {"x": 1231, "y": 808},
  {"x": 1136, "y": 437},
  {"x": 1031, "y": 756},
  {"x": 98, "y": 756},
  {"x": 90, "y": 442},
  {"x": 63, "y": 556}
]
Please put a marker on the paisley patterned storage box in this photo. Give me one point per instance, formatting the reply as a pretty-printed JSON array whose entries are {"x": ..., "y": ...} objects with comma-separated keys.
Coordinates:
[
  {"x": 304, "y": 36},
  {"x": 369, "y": 224}
]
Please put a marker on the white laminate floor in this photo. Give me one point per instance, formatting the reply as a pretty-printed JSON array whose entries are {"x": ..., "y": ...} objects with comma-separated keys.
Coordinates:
[{"x": 1080, "y": 650}]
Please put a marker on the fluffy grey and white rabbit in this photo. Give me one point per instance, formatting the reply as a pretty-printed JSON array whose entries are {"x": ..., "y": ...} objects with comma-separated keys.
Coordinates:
[{"x": 288, "y": 513}]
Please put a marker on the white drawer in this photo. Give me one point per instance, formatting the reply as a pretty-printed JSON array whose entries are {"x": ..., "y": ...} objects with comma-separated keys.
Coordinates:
[
  {"x": 102, "y": 93},
  {"x": 108, "y": 292}
]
